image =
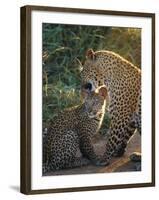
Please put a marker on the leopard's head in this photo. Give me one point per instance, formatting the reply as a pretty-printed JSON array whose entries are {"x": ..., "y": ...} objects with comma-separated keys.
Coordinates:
[
  {"x": 95, "y": 102},
  {"x": 91, "y": 73}
]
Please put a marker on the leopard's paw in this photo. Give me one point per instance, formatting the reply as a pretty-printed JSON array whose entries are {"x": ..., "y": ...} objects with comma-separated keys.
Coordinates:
[
  {"x": 135, "y": 157},
  {"x": 138, "y": 166},
  {"x": 85, "y": 161},
  {"x": 119, "y": 153},
  {"x": 120, "y": 150},
  {"x": 101, "y": 162}
]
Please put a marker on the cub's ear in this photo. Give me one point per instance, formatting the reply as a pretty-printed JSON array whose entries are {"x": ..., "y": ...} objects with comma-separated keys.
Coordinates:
[
  {"x": 90, "y": 54},
  {"x": 103, "y": 91}
]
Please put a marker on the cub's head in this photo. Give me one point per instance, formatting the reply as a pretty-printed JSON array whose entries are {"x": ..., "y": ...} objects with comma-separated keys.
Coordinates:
[
  {"x": 92, "y": 71},
  {"x": 95, "y": 102}
]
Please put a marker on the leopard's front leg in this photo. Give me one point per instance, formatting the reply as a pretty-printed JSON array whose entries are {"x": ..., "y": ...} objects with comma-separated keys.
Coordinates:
[
  {"x": 119, "y": 134},
  {"x": 87, "y": 150}
]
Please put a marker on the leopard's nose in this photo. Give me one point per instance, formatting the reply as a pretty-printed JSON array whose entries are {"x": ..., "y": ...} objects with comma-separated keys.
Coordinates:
[{"x": 87, "y": 86}]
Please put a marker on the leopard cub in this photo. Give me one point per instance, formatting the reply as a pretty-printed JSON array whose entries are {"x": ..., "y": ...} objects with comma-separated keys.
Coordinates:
[{"x": 72, "y": 129}]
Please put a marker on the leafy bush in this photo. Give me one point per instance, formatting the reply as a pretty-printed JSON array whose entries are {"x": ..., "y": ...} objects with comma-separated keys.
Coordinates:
[{"x": 63, "y": 45}]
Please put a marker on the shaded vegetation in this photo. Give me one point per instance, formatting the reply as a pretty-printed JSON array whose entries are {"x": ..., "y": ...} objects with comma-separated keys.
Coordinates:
[{"x": 63, "y": 45}]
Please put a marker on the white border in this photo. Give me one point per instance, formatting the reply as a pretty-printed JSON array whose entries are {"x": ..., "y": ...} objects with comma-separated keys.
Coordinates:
[{"x": 39, "y": 182}]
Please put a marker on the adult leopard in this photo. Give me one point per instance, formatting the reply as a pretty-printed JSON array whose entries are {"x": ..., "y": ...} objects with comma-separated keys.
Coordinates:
[{"x": 123, "y": 82}]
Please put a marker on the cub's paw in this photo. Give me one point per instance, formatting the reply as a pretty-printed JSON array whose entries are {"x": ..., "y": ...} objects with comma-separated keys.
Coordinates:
[
  {"x": 101, "y": 162},
  {"x": 85, "y": 161}
]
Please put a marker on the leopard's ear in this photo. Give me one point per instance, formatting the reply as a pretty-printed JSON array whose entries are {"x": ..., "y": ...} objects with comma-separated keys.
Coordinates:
[
  {"x": 90, "y": 54},
  {"x": 103, "y": 91},
  {"x": 79, "y": 64}
]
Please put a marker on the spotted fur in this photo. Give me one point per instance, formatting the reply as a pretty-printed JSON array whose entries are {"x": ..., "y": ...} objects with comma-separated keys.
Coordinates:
[
  {"x": 123, "y": 82},
  {"x": 73, "y": 129}
]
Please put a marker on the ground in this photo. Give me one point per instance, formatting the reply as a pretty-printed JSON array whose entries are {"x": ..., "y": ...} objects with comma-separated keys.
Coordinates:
[{"x": 122, "y": 164}]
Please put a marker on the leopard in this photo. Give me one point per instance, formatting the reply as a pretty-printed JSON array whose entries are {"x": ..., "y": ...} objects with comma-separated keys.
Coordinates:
[
  {"x": 73, "y": 129},
  {"x": 123, "y": 82}
]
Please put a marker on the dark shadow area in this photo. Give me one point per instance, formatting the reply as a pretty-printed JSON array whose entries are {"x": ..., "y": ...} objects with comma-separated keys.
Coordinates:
[{"x": 15, "y": 188}]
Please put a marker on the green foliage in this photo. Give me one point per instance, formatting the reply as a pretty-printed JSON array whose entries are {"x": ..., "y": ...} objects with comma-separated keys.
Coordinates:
[{"x": 63, "y": 45}]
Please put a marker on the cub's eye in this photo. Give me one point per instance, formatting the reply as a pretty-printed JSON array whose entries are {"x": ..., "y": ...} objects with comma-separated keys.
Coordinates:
[{"x": 88, "y": 86}]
